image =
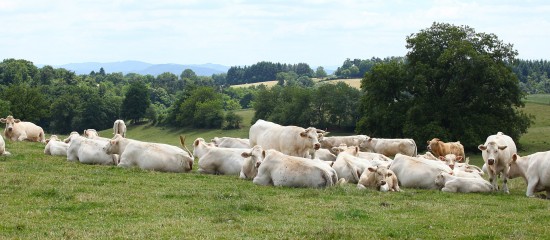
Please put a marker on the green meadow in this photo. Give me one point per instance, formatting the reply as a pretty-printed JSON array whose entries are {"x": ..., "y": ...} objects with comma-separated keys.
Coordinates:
[{"x": 46, "y": 197}]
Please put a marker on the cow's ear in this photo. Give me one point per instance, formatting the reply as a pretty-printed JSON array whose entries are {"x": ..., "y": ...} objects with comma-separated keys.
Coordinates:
[
  {"x": 482, "y": 147},
  {"x": 459, "y": 158},
  {"x": 502, "y": 147},
  {"x": 303, "y": 134},
  {"x": 356, "y": 149},
  {"x": 196, "y": 143},
  {"x": 263, "y": 154},
  {"x": 389, "y": 174},
  {"x": 515, "y": 157},
  {"x": 3, "y": 120},
  {"x": 441, "y": 158},
  {"x": 17, "y": 120},
  {"x": 371, "y": 169},
  {"x": 245, "y": 154},
  {"x": 369, "y": 139}
]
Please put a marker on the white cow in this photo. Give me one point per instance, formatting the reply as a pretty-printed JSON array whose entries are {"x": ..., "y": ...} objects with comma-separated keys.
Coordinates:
[
  {"x": 389, "y": 147},
  {"x": 350, "y": 167},
  {"x": 73, "y": 133},
  {"x": 415, "y": 172},
  {"x": 218, "y": 160},
  {"x": 290, "y": 140},
  {"x": 535, "y": 169},
  {"x": 93, "y": 134},
  {"x": 497, "y": 154},
  {"x": 55, "y": 147},
  {"x": 231, "y": 142},
  {"x": 150, "y": 156},
  {"x": 380, "y": 178},
  {"x": 88, "y": 151},
  {"x": 336, "y": 141},
  {"x": 16, "y": 130},
  {"x": 252, "y": 160},
  {"x": 3, "y": 151},
  {"x": 450, "y": 183},
  {"x": 279, "y": 169},
  {"x": 325, "y": 155},
  {"x": 119, "y": 127}
]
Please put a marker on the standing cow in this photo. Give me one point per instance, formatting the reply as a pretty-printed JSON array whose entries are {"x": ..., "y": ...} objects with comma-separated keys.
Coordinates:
[
  {"x": 440, "y": 148},
  {"x": 16, "y": 130},
  {"x": 290, "y": 140},
  {"x": 497, "y": 153},
  {"x": 119, "y": 127},
  {"x": 535, "y": 169}
]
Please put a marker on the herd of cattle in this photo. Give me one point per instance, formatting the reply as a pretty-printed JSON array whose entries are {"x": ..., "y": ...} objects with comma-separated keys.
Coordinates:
[{"x": 305, "y": 157}]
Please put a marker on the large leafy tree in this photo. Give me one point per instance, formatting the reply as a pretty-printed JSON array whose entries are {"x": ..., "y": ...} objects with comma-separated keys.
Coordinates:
[
  {"x": 456, "y": 84},
  {"x": 136, "y": 101}
]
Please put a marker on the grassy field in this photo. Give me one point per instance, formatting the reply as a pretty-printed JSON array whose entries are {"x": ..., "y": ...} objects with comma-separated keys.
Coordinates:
[{"x": 46, "y": 197}]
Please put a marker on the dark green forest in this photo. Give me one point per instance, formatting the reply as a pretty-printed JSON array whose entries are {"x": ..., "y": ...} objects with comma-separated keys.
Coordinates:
[{"x": 441, "y": 85}]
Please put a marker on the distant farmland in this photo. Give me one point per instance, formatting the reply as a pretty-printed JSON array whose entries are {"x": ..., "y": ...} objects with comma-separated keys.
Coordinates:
[{"x": 355, "y": 82}]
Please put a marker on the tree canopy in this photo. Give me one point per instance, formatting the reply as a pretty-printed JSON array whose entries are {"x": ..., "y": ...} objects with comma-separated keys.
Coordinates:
[{"x": 455, "y": 84}]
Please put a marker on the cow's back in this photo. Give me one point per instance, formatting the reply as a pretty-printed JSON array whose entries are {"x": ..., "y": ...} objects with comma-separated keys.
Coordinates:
[
  {"x": 257, "y": 131},
  {"x": 416, "y": 172}
]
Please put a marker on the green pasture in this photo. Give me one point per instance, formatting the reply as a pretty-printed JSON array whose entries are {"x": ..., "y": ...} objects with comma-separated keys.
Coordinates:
[{"x": 46, "y": 197}]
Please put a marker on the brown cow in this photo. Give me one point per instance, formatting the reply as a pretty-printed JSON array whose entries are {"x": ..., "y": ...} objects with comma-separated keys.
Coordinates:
[{"x": 440, "y": 148}]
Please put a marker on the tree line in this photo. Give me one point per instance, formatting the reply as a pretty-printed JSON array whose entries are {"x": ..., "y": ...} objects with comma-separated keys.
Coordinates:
[{"x": 454, "y": 83}]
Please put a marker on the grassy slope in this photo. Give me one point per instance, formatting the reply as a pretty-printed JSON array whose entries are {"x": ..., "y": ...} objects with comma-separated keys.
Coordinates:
[{"x": 46, "y": 197}]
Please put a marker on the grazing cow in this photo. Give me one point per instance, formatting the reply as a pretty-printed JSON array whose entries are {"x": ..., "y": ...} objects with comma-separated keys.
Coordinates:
[
  {"x": 88, "y": 151},
  {"x": 380, "y": 178},
  {"x": 55, "y": 147},
  {"x": 3, "y": 151},
  {"x": 331, "y": 142},
  {"x": 535, "y": 169},
  {"x": 218, "y": 160},
  {"x": 230, "y": 142},
  {"x": 150, "y": 156},
  {"x": 497, "y": 153},
  {"x": 415, "y": 172},
  {"x": 290, "y": 140},
  {"x": 252, "y": 160},
  {"x": 119, "y": 127},
  {"x": 440, "y": 148},
  {"x": 16, "y": 130},
  {"x": 279, "y": 169},
  {"x": 450, "y": 183},
  {"x": 389, "y": 147}
]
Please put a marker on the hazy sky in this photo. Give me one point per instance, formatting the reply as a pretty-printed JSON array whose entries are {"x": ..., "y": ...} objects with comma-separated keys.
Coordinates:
[{"x": 244, "y": 32}]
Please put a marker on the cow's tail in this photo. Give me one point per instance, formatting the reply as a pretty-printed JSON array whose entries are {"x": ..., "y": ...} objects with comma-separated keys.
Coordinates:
[
  {"x": 328, "y": 180},
  {"x": 115, "y": 128},
  {"x": 182, "y": 142}
]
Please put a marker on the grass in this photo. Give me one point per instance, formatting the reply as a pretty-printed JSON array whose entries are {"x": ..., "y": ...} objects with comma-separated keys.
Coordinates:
[{"x": 46, "y": 197}]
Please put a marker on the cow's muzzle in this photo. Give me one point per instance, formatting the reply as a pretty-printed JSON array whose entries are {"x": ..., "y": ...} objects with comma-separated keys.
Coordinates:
[
  {"x": 491, "y": 161},
  {"x": 317, "y": 146}
]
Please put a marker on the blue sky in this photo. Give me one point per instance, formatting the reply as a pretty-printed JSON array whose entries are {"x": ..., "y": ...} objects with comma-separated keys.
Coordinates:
[{"x": 241, "y": 32}]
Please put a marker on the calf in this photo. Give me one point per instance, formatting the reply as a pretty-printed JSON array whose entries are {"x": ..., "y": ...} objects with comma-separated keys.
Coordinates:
[
  {"x": 497, "y": 153},
  {"x": 16, "y": 130},
  {"x": 252, "y": 160},
  {"x": 535, "y": 169},
  {"x": 450, "y": 183},
  {"x": 217, "y": 160},
  {"x": 279, "y": 169},
  {"x": 380, "y": 178},
  {"x": 55, "y": 147},
  {"x": 150, "y": 156}
]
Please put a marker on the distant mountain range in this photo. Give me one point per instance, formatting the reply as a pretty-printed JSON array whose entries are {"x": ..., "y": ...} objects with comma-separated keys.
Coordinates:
[{"x": 144, "y": 68}]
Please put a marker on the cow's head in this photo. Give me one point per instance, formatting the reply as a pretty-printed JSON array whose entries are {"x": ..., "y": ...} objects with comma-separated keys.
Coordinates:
[
  {"x": 52, "y": 138},
  {"x": 514, "y": 170},
  {"x": 492, "y": 150},
  {"x": 380, "y": 175},
  {"x": 450, "y": 159},
  {"x": 311, "y": 135},
  {"x": 440, "y": 180},
  {"x": 256, "y": 155},
  {"x": 10, "y": 122},
  {"x": 70, "y": 137},
  {"x": 113, "y": 145},
  {"x": 432, "y": 144}
]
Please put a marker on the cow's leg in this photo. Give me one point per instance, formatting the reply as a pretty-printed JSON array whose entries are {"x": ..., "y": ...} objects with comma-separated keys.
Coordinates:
[
  {"x": 492, "y": 179},
  {"x": 262, "y": 180},
  {"x": 505, "y": 179},
  {"x": 531, "y": 184},
  {"x": 22, "y": 137}
]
